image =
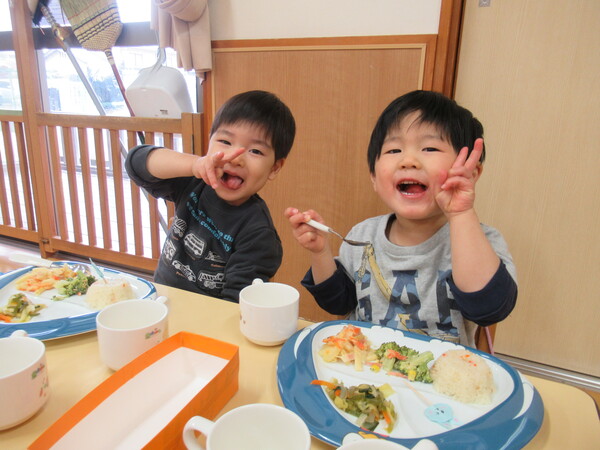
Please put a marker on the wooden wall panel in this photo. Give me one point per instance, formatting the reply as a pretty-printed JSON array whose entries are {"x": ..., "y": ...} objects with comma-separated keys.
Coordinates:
[
  {"x": 529, "y": 70},
  {"x": 336, "y": 93}
]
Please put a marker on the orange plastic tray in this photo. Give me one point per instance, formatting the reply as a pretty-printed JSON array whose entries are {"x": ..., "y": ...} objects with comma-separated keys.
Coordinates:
[{"x": 146, "y": 403}]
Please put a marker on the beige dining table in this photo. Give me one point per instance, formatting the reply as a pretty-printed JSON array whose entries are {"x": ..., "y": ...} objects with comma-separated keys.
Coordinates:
[{"x": 74, "y": 369}]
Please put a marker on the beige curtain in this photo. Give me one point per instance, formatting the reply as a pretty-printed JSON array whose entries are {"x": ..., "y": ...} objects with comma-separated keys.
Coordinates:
[{"x": 184, "y": 26}]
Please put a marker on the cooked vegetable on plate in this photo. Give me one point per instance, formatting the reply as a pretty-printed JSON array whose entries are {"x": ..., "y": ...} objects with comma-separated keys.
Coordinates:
[
  {"x": 41, "y": 279},
  {"x": 407, "y": 361},
  {"x": 19, "y": 309},
  {"x": 350, "y": 345},
  {"x": 365, "y": 401},
  {"x": 76, "y": 285}
]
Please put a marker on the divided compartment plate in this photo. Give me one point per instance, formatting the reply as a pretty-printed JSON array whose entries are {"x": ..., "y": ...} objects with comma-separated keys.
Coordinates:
[
  {"x": 513, "y": 418},
  {"x": 66, "y": 317}
]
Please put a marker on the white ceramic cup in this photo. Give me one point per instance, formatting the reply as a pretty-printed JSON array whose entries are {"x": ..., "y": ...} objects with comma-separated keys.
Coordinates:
[
  {"x": 268, "y": 312},
  {"x": 257, "y": 426},
  {"x": 130, "y": 327},
  {"x": 23, "y": 378}
]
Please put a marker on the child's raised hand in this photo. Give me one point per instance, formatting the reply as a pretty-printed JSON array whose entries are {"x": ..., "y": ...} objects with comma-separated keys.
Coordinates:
[
  {"x": 307, "y": 236},
  {"x": 210, "y": 167},
  {"x": 457, "y": 192}
]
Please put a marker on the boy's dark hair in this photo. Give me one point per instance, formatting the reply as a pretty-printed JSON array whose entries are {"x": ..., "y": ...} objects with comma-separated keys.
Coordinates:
[
  {"x": 455, "y": 123},
  {"x": 264, "y": 110}
]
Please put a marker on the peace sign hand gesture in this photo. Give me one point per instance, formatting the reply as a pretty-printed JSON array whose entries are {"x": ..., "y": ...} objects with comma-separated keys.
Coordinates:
[{"x": 457, "y": 192}]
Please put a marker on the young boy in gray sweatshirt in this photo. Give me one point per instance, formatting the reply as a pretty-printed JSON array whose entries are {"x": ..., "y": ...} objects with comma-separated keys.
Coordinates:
[{"x": 432, "y": 267}]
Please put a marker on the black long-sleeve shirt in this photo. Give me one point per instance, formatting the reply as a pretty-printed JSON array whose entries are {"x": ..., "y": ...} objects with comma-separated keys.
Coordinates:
[{"x": 212, "y": 247}]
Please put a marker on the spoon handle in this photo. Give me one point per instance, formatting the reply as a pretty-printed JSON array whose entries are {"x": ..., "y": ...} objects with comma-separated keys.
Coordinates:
[
  {"x": 319, "y": 226},
  {"x": 97, "y": 269}
]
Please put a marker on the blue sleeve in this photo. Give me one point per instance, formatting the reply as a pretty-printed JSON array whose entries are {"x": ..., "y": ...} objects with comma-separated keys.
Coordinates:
[
  {"x": 336, "y": 295},
  {"x": 491, "y": 304}
]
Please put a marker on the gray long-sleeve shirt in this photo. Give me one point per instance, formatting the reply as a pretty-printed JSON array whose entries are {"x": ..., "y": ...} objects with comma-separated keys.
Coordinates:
[{"x": 423, "y": 296}]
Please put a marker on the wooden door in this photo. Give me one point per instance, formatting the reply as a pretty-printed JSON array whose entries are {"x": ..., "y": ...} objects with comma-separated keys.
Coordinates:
[{"x": 529, "y": 70}]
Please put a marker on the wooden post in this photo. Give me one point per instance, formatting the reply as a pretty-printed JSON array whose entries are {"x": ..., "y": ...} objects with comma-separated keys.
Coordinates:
[{"x": 34, "y": 134}]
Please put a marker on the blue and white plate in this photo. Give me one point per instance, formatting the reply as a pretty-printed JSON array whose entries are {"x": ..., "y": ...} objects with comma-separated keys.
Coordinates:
[
  {"x": 510, "y": 421},
  {"x": 65, "y": 317}
]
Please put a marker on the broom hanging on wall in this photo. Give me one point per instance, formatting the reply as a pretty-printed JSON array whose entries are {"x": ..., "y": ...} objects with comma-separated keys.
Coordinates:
[
  {"x": 40, "y": 9},
  {"x": 97, "y": 26}
]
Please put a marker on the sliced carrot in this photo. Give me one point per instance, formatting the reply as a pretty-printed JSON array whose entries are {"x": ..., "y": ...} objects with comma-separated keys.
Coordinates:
[
  {"x": 389, "y": 353},
  {"x": 327, "y": 384},
  {"x": 387, "y": 417},
  {"x": 5, "y": 318},
  {"x": 397, "y": 374}
]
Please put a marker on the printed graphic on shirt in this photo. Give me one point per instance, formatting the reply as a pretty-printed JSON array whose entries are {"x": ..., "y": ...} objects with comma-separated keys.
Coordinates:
[
  {"x": 185, "y": 270},
  {"x": 405, "y": 303},
  {"x": 194, "y": 245},
  {"x": 225, "y": 240},
  {"x": 214, "y": 257},
  {"x": 169, "y": 250},
  {"x": 178, "y": 227},
  {"x": 211, "y": 280}
]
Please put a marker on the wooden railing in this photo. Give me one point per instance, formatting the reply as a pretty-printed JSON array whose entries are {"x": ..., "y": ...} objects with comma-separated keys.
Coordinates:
[{"x": 68, "y": 191}]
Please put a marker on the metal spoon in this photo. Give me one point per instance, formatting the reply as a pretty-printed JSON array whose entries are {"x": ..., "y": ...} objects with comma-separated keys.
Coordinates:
[{"x": 325, "y": 228}]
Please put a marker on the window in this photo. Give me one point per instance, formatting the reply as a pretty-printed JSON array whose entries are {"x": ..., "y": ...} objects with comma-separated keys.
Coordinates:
[
  {"x": 81, "y": 81},
  {"x": 10, "y": 99}
]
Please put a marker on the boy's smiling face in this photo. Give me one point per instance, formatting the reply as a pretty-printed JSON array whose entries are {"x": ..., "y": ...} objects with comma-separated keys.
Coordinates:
[
  {"x": 245, "y": 175},
  {"x": 413, "y": 164}
]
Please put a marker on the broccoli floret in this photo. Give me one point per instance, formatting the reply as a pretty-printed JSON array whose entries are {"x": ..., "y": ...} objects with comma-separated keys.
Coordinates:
[
  {"x": 415, "y": 366},
  {"x": 405, "y": 360},
  {"x": 77, "y": 285},
  {"x": 380, "y": 352}
]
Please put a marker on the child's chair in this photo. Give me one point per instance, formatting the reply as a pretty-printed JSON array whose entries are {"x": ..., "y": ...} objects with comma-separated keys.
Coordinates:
[{"x": 484, "y": 338}]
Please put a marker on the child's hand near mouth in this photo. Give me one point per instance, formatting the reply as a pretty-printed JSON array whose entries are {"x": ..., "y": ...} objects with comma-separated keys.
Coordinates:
[{"x": 210, "y": 167}]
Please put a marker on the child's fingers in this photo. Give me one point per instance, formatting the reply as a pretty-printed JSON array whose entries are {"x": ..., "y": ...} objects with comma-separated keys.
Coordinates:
[
  {"x": 473, "y": 160},
  {"x": 461, "y": 158},
  {"x": 211, "y": 174},
  {"x": 289, "y": 212},
  {"x": 312, "y": 214},
  {"x": 230, "y": 156}
]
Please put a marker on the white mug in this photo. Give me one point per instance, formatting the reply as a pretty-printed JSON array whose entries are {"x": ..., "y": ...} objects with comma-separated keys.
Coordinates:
[
  {"x": 23, "y": 378},
  {"x": 130, "y": 327},
  {"x": 257, "y": 426},
  {"x": 268, "y": 312}
]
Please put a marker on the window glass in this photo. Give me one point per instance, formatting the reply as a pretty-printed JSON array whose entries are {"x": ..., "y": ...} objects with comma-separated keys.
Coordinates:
[
  {"x": 5, "y": 24},
  {"x": 81, "y": 81},
  {"x": 10, "y": 98},
  {"x": 98, "y": 92},
  {"x": 129, "y": 11}
]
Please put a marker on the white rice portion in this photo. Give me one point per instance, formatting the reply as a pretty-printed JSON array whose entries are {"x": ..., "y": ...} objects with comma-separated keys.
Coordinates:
[
  {"x": 103, "y": 293},
  {"x": 464, "y": 376}
]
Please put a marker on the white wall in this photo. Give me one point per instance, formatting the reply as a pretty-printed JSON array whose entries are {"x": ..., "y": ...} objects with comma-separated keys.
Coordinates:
[{"x": 271, "y": 19}]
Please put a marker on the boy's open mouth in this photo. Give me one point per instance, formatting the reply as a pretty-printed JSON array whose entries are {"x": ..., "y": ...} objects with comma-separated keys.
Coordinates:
[
  {"x": 231, "y": 181},
  {"x": 411, "y": 187}
]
